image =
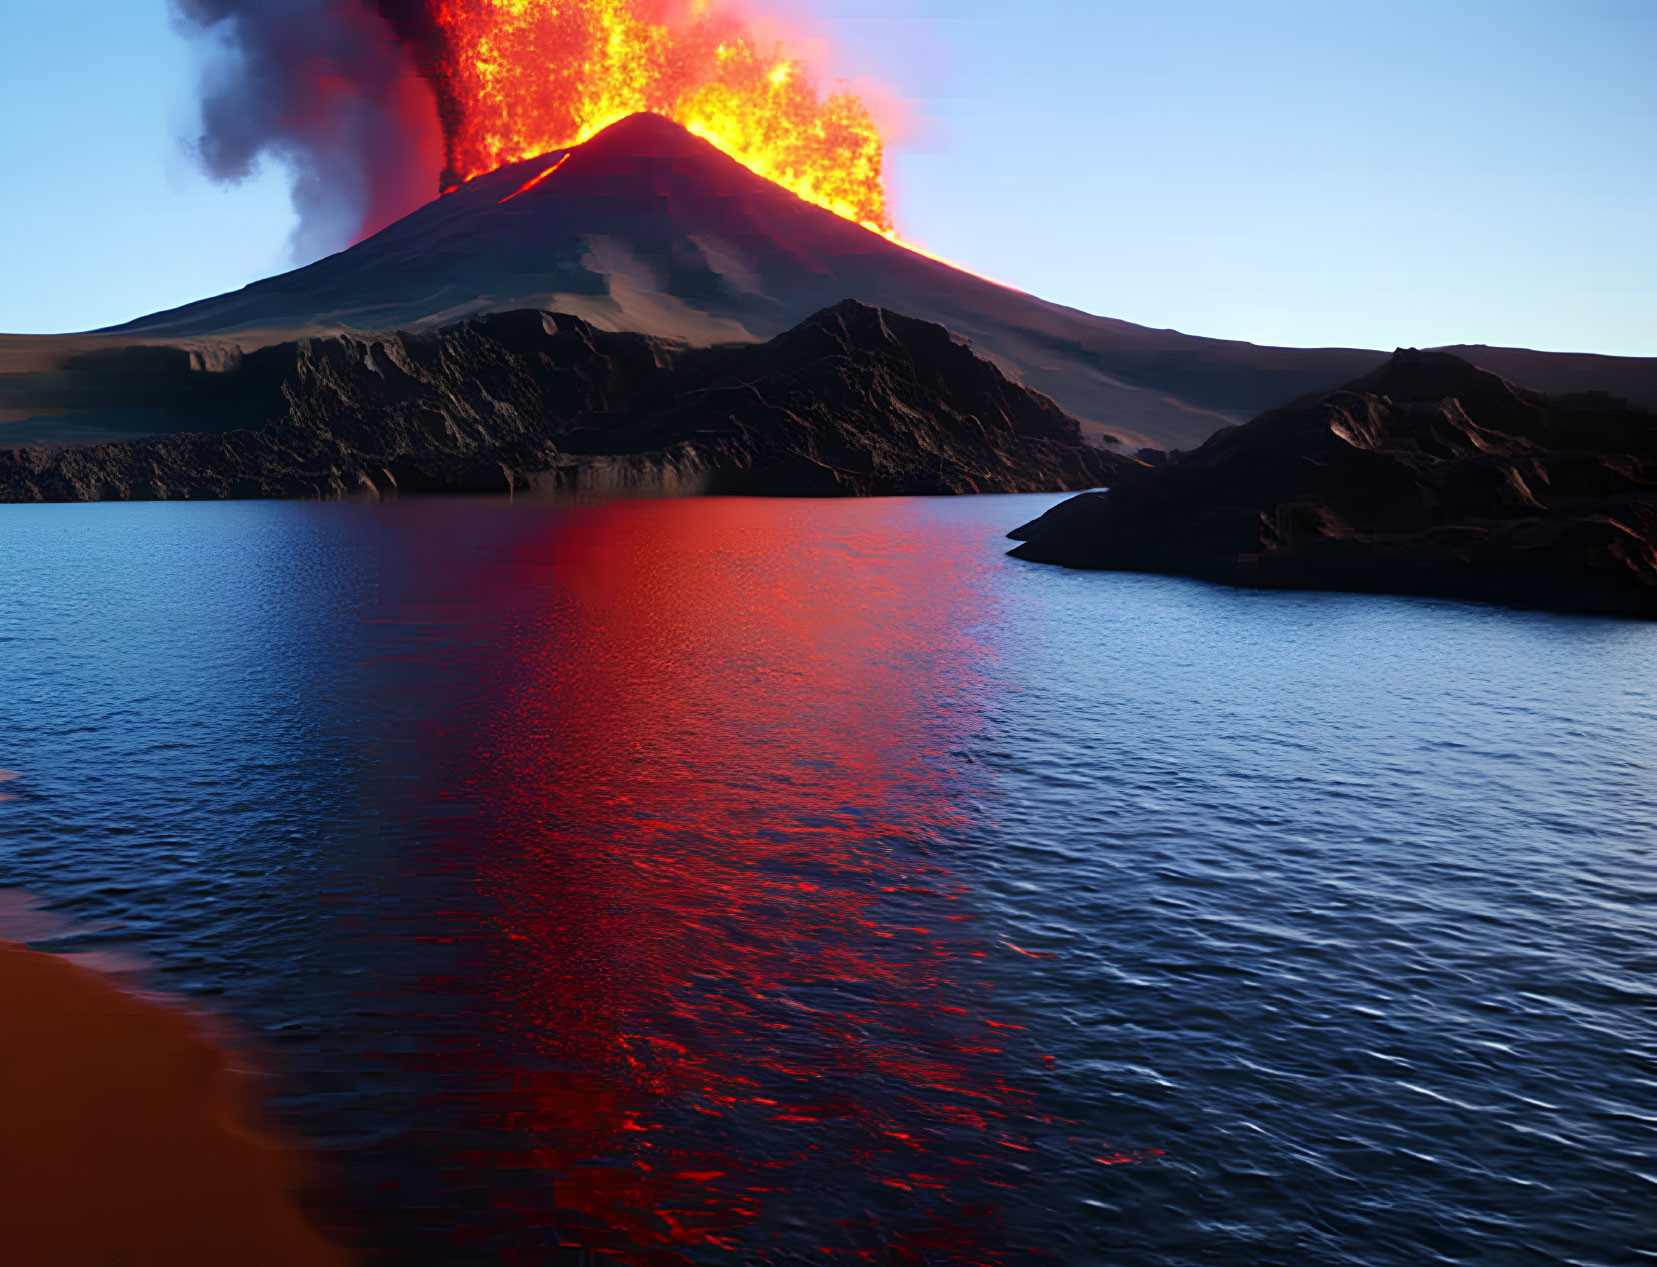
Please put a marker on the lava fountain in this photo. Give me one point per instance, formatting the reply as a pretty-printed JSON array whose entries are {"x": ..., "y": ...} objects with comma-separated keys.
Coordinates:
[
  {"x": 518, "y": 78},
  {"x": 341, "y": 93}
]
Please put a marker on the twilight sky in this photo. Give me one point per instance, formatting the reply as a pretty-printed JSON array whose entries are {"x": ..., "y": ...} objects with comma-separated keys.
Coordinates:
[{"x": 1303, "y": 172}]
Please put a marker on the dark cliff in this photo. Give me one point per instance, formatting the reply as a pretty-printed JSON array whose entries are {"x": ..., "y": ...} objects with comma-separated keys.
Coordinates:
[
  {"x": 1427, "y": 476},
  {"x": 854, "y": 401}
]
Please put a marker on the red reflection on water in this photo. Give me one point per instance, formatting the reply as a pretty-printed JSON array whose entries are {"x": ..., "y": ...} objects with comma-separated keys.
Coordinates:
[{"x": 727, "y": 968}]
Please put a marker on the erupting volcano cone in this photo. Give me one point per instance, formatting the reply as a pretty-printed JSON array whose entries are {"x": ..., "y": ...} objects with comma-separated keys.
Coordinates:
[{"x": 646, "y": 227}]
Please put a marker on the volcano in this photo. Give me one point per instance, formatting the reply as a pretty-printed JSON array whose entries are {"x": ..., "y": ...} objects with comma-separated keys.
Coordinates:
[{"x": 648, "y": 229}]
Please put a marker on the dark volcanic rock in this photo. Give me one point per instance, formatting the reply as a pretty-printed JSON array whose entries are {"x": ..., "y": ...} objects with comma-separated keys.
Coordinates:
[
  {"x": 645, "y": 227},
  {"x": 1428, "y": 476},
  {"x": 854, "y": 401}
]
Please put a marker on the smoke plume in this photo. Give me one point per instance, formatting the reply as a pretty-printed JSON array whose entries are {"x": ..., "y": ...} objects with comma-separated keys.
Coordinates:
[
  {"x": 333, "y": 91},
  {"x": 368, "y": 103}
]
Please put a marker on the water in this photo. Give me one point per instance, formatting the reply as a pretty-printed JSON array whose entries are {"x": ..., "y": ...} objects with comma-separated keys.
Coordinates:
[{"x": 739, "y": 881}]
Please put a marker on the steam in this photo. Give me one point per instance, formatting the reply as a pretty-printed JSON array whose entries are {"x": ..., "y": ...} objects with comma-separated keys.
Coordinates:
[{"x": 330, "y": 90}]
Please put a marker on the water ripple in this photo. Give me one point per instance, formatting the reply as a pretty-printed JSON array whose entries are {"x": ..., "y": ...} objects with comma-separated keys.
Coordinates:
[{"x": 770, "y": 882}]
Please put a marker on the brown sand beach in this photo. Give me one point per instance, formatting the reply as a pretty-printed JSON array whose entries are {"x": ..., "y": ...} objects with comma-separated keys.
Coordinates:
[{"x": 125, "y": 1140}]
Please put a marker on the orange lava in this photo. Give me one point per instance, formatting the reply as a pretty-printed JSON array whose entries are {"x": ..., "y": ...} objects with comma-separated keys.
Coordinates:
[
  {"x": 525, "y": 77},
  {"x": 535, "y": 180}
]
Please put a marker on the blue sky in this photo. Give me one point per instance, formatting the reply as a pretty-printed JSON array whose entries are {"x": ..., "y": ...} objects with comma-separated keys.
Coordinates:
[{"x": 1296, "y": 172}]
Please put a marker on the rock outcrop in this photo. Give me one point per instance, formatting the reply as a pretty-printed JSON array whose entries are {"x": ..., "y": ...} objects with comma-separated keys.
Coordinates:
[
  {"x": 1427, "y": 476},
  {"x": 854, "y": 401}
]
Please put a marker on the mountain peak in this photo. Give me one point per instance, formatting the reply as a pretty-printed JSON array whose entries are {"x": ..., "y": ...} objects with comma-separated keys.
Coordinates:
[
  {"x": 612, "y": 162},
  {"x": 1414, "y": 375},
  {"x": 646, "y": 132},
  {"x": 646, "y": 227}
]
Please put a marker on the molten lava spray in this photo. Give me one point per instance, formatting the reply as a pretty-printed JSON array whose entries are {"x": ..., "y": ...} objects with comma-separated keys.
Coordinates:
[
  {"x": 521, "y": 77},
  {"x": 349, "y": 96}
]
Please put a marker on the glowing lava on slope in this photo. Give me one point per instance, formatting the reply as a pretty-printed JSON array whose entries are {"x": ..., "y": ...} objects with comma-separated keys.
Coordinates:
[
  {"x": 521, "y": 78},
  {"x": 536, "y": 180}
]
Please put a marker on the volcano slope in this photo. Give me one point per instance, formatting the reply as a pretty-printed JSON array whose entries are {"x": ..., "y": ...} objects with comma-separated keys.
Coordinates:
[
  {"x": 854, "y": 401},
  {"x": 646, "y": 228},
  {"x": 1428, "y": 476}
]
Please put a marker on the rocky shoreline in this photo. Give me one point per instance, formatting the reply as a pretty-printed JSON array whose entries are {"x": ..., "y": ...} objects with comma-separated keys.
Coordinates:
[{"x": 1429, "y": 476}]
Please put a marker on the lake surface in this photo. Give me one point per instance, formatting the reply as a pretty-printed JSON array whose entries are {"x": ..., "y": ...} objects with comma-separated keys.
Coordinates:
[{"x": 743, "y": 881}]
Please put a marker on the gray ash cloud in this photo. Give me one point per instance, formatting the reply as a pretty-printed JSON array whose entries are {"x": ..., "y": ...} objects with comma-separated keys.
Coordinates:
[{"x": 335, "y": 91}]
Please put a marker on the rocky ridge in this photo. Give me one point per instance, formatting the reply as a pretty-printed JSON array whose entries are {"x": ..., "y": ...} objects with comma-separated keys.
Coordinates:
[
  {"x": 854, "y": 401},
  {"x": 647, "y": 228},
  {"x": 1426, "y": 476}
]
